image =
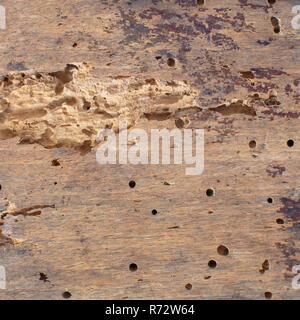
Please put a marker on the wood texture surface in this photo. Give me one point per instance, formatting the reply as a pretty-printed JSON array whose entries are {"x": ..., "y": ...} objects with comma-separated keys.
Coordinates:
[{"x": 76, "y": 226}]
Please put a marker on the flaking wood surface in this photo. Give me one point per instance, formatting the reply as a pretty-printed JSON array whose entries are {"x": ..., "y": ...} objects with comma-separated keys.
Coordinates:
[{"x": 74, "y": 225}]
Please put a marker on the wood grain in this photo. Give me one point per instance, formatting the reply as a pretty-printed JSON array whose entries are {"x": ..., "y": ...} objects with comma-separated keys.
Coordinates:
[{"x": 77, "y": 226}]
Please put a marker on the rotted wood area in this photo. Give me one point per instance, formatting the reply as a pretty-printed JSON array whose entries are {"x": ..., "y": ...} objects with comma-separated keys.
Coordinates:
[{"x": 73, "y": 229}]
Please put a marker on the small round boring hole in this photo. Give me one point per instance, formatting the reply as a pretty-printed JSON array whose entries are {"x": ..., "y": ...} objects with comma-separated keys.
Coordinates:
[
  {"x": 277, "y": 29},
  {"x": 279, "y": 221},
  {"x": 252, "y": 144},
  {"x": 188, "y": 286},
  {"x": 171, "y": 62},
  {"x": 200, "y": 2},
  {"x": 212, "y": 264},
  {"x": 271, "y": 1},
  {"x": 276, "y": 24},
  {"x": 274, "y": 21},
  {"x": 133, "y": 267},
  {"x": 179, "y": 123},
  {"x": 55, "y": 163},
  {"x": 268, "y": 295},
  {"x": 290, "y": 143},
  {"x": 67, "y": 295},
  {"x": 154, "y": 212},
  {"x": 210, "y": 192},
  {"x": 132, "y": 184},
  {"x": 270, "y": 200},
  {"x": 222, "y": 250}
]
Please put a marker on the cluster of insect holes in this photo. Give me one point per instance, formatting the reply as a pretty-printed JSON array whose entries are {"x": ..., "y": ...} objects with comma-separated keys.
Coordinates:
[
  {"x": 222, "y": 250},
  {"x": 290, "y": 143},
  {"x": 252, "y": 144}
]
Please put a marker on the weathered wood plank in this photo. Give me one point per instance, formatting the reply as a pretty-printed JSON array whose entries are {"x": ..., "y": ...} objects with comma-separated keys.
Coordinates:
[{"x": 96, "y": 225}]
